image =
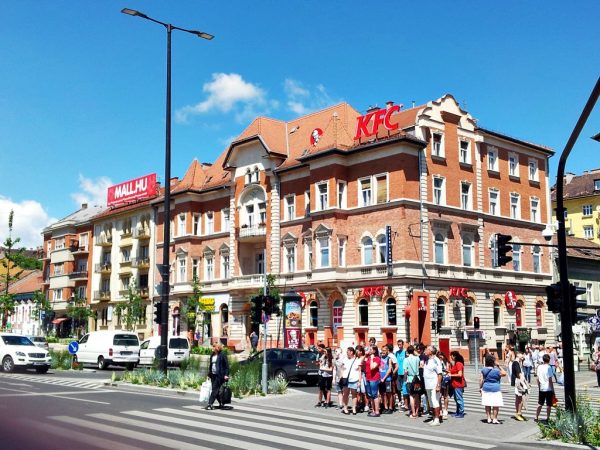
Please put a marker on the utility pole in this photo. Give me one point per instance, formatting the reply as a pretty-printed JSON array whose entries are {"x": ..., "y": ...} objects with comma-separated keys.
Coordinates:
[{"x": 265, "y": 386}]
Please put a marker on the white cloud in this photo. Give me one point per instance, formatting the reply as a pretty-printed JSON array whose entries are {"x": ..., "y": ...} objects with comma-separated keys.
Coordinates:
[
  {"x": 225, "y": 92},
  {"x": 92, "y": 192},
  {"x": 29, "y": 220},
  {"x": 301, "y": 100}
]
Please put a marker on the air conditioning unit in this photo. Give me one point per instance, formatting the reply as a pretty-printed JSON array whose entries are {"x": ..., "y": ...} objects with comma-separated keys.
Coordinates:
[{"x": 512, "y": 326}]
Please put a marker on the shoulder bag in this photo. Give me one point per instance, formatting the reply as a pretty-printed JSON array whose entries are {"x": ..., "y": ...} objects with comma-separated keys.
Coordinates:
[{"x": 344, "y": 380}]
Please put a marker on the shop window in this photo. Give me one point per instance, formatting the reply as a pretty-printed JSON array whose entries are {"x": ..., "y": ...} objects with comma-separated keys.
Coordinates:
[
  {"x": 363, "y": 313},
  {"x": 390, "y": 311},
  {"x": 539, "y": 314},
  {"x": 519, "y": 314},
  {"x": 313, "y": 310},
  {"x": 468, "y": 313},
  {"x": 497, "y": 313},
  {"x": 441, "y": 313},
  {"x": 336, "y": 314}
]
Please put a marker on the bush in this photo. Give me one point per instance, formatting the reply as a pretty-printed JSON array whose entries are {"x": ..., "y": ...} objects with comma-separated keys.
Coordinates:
[
  {"x": 201, "y": 350},
  {"x": 583, "y": 427},
  {"x": 246, "y": 380},
  {"x": 61, "y": 359},
  {"x": 277, "y": 386},
  {"x": 52, "y": 339}
]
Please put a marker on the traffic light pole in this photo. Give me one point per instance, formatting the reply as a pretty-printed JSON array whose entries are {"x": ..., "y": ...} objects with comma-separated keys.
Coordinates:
[
  {"x": 265, "y": 386},
  {"x": 566, "y": 319}
]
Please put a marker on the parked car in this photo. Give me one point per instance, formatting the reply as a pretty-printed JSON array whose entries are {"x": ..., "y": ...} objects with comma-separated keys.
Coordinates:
[
  {"x": 178, "y": 350},
  {"x": 18, "y": 352},
  {"x": 106, "y": 348},
  {"x": 290, "y": 364},
  {"x": 40, "y": 341}
]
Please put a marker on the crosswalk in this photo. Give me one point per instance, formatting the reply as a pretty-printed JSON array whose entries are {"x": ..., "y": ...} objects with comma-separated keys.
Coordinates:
[
  {"x": 252, "y": 426},
  {"x": 57, "y": 381}
]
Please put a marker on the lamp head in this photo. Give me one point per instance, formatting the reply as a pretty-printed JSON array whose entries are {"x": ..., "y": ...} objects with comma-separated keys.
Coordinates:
[
  {"x": 133, "y": 12},
  {"x": 203, "y": 35}
]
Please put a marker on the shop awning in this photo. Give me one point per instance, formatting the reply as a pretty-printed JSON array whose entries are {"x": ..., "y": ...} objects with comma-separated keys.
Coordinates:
[{"x": 57, "y": 321}]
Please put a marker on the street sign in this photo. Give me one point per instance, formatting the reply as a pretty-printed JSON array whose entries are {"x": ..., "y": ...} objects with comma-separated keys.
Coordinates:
[{"x": 73, "y": 347}]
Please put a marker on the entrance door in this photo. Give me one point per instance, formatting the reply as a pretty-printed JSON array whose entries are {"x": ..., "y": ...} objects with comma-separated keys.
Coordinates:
[{"x": 445, "y": 347}]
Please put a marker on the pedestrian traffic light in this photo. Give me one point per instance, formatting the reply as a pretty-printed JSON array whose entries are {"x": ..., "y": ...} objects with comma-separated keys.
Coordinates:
[
  {"x": 256, "y": 306},
  {"x": 576, "y": 304},
  {"x": 476, "y": 323},
  {"x": 268, "y": 305},
  {"x": 502, "y": 248},
  {"x": 554, "y": 298},
  {"x": 157, "y": 313}
]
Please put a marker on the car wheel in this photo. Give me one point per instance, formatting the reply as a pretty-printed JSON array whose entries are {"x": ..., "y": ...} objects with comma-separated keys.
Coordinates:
[
  {"x": 312, "y": 381},
  {"x": 281, "y": 375},
  {"x": 42, "y": 369},
  {"x": 8, "y": 365},
  {"x": 102, "y": 363}
]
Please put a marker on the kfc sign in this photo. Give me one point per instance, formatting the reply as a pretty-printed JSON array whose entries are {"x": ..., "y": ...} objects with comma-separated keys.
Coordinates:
[
  {"x": 458, "y": 292},
  {"x": 128, "y": 191},
  {"x": 381, "y": 116},
  {"x": 510, "y": 300},
  {"x": 370, "y": 291}
]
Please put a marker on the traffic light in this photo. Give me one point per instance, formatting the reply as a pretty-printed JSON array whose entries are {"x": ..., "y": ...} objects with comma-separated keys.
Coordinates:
[
  {"x": 554, "y": 298},
  {"x": 157, "y": 313},
  {"x": 502, "y": 247},
  {"x": 476, "y": 323},
  {"x": 268, "y": 305},
  {"x": 256, "y": 306},
  {"x": 576, "y": 304}
]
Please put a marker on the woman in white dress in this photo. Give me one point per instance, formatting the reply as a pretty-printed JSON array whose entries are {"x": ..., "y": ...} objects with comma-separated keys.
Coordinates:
[{"x": 490, "y": 389}]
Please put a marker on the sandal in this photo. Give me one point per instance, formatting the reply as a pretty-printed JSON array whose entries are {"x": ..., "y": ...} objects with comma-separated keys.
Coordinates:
[
  {"x": 495, "y": 422},
  {"x": 345, "y": 412},
  {"x": 489, "y": 420}
]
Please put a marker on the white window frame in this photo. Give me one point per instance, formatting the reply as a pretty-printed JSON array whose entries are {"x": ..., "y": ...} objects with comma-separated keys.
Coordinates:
[
  {"x": 181, "y": 269},
  {"x": 210, "y": 222},
  {"x": 225, "y": 219},
  {"x": 290, "y": 259},
  {"x": 467, "y": 152},
  {"x": 534, "y": 212},
  {"x": 468, "y": 247},
  {"x": 342, "y": 194},
  {"x": 307, "y": 203},
  {"x": 589, "y": 292},
  {"x": 290, "y": 207},
  {"x": 209, "y": 266},
  {"x": 377, "y": 179},
  {"x": 495, "y": 211},
  {"x": 362, "y": 197},
  {"x": 381, "y": 251},
  {"x": 195, "y": 265},
  {"x": 536, "y": 257},
  {"x": 440, "y": 151},
  {"x": 323, "y": 195},
  {"x": 516, "y": 212},
  {"x": 342, "y": 252},
  {"x": 441, "y": 190},
  {"x": 467, "y": 204},
  {"x": 513, "y": 171},
  {"x": 444, "y": 246},
  {"x": 532, "y": 170},
  {"x": 196, "y": 225},
  {"x": 588, "y": 231},
  {"x": 181, "y": 218},
  {"x": 587, "y": 210},
  {"x": 366, "y": 251},
  {"x": 84, "y": 240},
  {"x": 324, "y": 251},
  {"x": 225, "y": 265},
  {"x": 517, "y": 255},
  {"x": 58, "y": 295},
  {"x": 59, "y": 243},
  {"x": 596, "y": 185},
  {"x": 308, "y": 255},
  {"x": 492, "y": 159}
]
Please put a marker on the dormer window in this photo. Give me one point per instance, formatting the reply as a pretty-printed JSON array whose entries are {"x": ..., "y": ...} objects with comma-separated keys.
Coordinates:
[
  {"x": 255, "y": 175},
  {"x": 597, "y": 185}
]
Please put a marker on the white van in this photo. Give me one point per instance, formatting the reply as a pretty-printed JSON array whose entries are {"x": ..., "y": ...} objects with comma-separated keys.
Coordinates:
[
  {"x": 179, "y": 349},
  {"x": 105, "y": 348}
]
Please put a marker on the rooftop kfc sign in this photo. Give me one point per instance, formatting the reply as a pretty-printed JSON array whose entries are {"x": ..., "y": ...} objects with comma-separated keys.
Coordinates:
[
  {"x": 131, "y": 190},
  {"x": 379, "y": 117}
]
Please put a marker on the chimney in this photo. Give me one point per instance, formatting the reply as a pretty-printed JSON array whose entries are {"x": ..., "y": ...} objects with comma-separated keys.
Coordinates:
[
  {"x": 389, "y": 104},
  {"x": 84, "y": 206},
  {"x": 413, "y": 103}
]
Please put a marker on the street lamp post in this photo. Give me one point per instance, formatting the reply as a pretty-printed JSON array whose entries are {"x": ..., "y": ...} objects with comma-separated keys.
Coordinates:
[{"x": 164, "y": 268}]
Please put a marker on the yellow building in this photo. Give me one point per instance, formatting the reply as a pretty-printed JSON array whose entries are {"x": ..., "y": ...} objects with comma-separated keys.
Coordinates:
[{"x": 582, "y": 202}]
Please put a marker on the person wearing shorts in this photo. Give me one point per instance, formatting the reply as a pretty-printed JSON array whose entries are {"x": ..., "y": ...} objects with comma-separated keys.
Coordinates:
[
  {"x": 351, "y": 371},
  {"x": 432, "y": 374},
  {"x": 546, "y": 387}
]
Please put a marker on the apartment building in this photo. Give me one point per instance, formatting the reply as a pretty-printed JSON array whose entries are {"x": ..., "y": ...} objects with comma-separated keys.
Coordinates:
[
  {"x": 383, "y": 221},
  {"x": 67, "y": 261}
]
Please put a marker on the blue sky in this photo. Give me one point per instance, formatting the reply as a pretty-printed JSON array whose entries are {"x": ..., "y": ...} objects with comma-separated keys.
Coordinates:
[{"x": 82, "y": 97}]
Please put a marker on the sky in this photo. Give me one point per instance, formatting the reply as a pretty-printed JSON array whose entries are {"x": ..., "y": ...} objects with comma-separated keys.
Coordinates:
[{"x": 82, "y": 86}]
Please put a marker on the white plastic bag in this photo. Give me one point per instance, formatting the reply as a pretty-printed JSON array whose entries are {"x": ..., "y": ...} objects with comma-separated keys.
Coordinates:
[{"x": 205, "y": 390}]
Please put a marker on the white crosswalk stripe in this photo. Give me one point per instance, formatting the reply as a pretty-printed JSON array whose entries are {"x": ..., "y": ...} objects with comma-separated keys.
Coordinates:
[
  {"x": 255, "y": 426},
  {"x": 46, "y": 379}
]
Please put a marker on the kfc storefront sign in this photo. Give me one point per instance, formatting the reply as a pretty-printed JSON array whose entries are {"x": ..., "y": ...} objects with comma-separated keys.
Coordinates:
[
  {"x": 379, "y": 117},
  {"x": 131, "y": 190},
  {"x": 373, "y": 291},
  {"x": 458, "y": 292},
  {"x": 510, "y": 300}
]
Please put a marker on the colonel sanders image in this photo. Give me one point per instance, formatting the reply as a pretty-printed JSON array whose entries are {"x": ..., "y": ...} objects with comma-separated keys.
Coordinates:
[{"x": 315, "y": 136}]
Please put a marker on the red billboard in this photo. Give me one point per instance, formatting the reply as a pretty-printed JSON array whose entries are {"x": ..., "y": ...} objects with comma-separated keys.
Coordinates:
[{"x": 140, "y": 188}]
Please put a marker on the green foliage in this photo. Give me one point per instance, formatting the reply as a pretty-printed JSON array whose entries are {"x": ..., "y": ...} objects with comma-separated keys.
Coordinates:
[
  {"x": 11, "y": 271},
  {"x": 61, "y": 359},
  {"x": 583, "y": 427},
  {"x": 131, "y": 310},
  {"x": 202, "y": 350},
  {"x": 27, "y": 262},
  {"x": 246, "y": 380},
  {"x": 41, "y": 303},
  {"x": 174, "y": 379},
  {"x": 277, "y": 386},
  {"x": 79, "y": 311}
]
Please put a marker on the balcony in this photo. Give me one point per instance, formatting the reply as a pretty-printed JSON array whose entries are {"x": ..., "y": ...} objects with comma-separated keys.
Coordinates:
[
  {"x": 45, "y": 255},
  {"x": 249, "y": 233},
  {"x": 104, "y": 268},
  {"x": 80, "y": 249},
  {"x": 249, "y": 281},
  {"x": 126, "y": 234},
  {"x": 102, "y": 296},
  {"x": 104, "y": 240},
  {"x": 126, "y": 261},
  {"x": 79, "y": 275},
  {"x": 141, "y": 263},
  {"x": 123, "y": 293},
  {"x": 142, "y": 233}
]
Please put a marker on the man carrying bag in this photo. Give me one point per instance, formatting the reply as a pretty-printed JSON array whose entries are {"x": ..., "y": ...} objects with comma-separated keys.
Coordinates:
[{"x": 218, "y": 372}]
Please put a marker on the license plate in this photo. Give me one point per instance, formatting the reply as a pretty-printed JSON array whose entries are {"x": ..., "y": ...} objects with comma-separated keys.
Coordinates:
[
  {"x": 126, "y": 353},
  {"x": 312, "y": 373},
  {"x": 179, "y": 353},
  {"x": 39, "y": 364}
]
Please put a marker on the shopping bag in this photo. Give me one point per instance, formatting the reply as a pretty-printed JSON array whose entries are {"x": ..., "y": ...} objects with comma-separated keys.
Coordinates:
[
  {"x": 205, "y": 390},
  {"x": 554, "y": 400},
  {"x": 224, "y": 394}
]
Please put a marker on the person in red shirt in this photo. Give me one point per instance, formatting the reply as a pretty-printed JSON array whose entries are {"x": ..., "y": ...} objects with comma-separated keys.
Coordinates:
[
  {"x": 372, "y": 364},
  {"x": 457, "y": 375}
]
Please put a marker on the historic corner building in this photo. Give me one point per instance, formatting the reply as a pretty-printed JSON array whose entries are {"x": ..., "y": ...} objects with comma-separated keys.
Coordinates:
[{"x": 383, "y": 221}]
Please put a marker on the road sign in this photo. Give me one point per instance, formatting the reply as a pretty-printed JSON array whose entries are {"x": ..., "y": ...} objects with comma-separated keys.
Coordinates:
[{"x": 73, "y": 347}]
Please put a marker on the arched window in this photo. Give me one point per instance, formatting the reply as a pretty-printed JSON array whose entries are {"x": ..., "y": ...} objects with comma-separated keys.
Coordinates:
[
  {"x": 313, "y": 313},
  {"x": 539, "y": 314},
  {"x": 336, "y": 314},
  {"x": 519, "y": 314},
  {"x": 441, "y": 313},
  {"x": 497, "y": 313},
  {"x": 468, "y": 313},
  {"x": 439, "y": 249},
  {"x": 367, "y": 250},
  {"x": 363, "y": 313},
  {"x": 224, "y": 314},
  {"x": 390, "y": 311},
  {"x": 467, "y": 251},
  {"x": 537, "y": 261},
  {"x": 381, "y": 249}
]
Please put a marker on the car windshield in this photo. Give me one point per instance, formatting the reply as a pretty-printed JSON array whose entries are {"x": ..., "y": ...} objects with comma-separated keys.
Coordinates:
[
  {"x": 126, "y": 339},
  {"x": 178, "y": 343},
  {"x": 38, "y": 339},
  {"x": 16, "y": 340}
]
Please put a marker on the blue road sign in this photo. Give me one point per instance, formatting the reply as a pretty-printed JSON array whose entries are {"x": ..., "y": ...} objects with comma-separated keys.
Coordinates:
[{"x": 73, "y": 347}]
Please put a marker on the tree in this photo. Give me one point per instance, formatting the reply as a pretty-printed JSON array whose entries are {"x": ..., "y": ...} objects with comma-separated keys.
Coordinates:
[
  {"x": 132, "y": 310},
  {"x": 79, "y": 312},
  {"x": 42, "y": 307},
  {"x": 11, "y": 271},
  {"x": 193, "y": 311}
]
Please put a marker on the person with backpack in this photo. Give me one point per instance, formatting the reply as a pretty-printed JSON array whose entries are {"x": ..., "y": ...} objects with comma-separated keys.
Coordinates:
[{"x": 412, "y": 381}]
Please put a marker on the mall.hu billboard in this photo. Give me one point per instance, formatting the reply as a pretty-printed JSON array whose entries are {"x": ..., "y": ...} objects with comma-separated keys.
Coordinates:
[{"x": 293, "y": 323}]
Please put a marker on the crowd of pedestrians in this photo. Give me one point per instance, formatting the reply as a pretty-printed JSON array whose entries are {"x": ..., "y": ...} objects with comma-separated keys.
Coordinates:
[{"x": 421, "y": 381}]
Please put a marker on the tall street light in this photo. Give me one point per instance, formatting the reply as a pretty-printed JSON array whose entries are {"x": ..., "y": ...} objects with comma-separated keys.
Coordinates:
[{"x": 164, "y": 268}]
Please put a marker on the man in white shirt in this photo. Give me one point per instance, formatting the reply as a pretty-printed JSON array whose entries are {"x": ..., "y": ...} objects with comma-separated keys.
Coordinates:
[
  {"x": 546, "y": 386},
  {"x": 432, "y": 374}
]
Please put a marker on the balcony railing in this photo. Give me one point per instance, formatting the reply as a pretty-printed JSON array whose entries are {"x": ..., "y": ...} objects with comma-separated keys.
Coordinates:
[
  {"x": 103, "y": 268},
  {"x": 141, "y": 263},
  {"x": 80, "y": 274},
  {"x": 249, "y": 280},
  {"x": 104, "y": 240},
  {"x": 142, "y": 233},
  {"x": 80, "y": 249},
  {"x": 102, "y": 296},
  {"x": 253, "y": 231}
]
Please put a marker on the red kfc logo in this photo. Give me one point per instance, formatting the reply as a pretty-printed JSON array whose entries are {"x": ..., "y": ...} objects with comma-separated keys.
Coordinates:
[{"x": 381, "y": 116}]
